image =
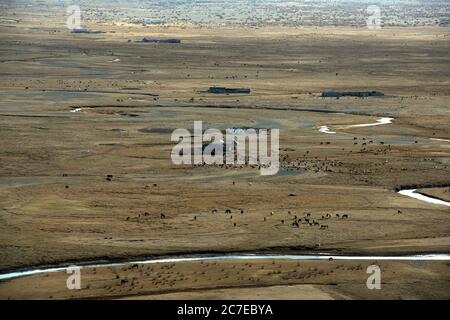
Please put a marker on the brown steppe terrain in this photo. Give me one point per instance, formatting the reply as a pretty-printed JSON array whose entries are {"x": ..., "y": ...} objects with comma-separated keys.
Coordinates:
[
  {"x": 57, "y": 207},
  {"x": 251, "y": 279}
]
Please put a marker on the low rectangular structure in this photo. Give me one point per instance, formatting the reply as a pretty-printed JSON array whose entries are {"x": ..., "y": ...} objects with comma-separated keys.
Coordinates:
[
  {"x": 157, "y": 40},
  {"x": 222, "y": 90},
  {"x": 360, "y": 94}
]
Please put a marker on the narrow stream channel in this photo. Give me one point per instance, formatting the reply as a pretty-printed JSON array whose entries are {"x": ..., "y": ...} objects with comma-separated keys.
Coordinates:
[
  {"x": 181, "y": 259},
  {"x": 413, "y": 194}
]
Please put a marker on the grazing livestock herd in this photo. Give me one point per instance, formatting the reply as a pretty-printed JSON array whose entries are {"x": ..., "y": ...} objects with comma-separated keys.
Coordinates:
[
  {"x": 307, "y": 219},
  {"x": 295, "y": 221}
]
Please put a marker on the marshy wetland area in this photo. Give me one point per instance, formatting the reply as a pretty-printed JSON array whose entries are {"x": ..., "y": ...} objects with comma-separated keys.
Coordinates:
[{"x": 86, "y": 176}]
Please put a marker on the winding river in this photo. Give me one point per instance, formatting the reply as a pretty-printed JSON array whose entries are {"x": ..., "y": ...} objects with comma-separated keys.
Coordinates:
[
  {"x": 410, "y": 193},
  {"x": 380, "y": 121},
  {"x": 180, "y": 259},
  {"x": 440, "y": 139},
  {"x": 235, "y": 257},
  {"x": 413, "y": 194},
  {"x": 325, "y": 129}
]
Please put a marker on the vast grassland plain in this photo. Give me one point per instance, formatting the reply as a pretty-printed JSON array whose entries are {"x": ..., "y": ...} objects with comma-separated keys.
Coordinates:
[{"x": 75, "y": 108}]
